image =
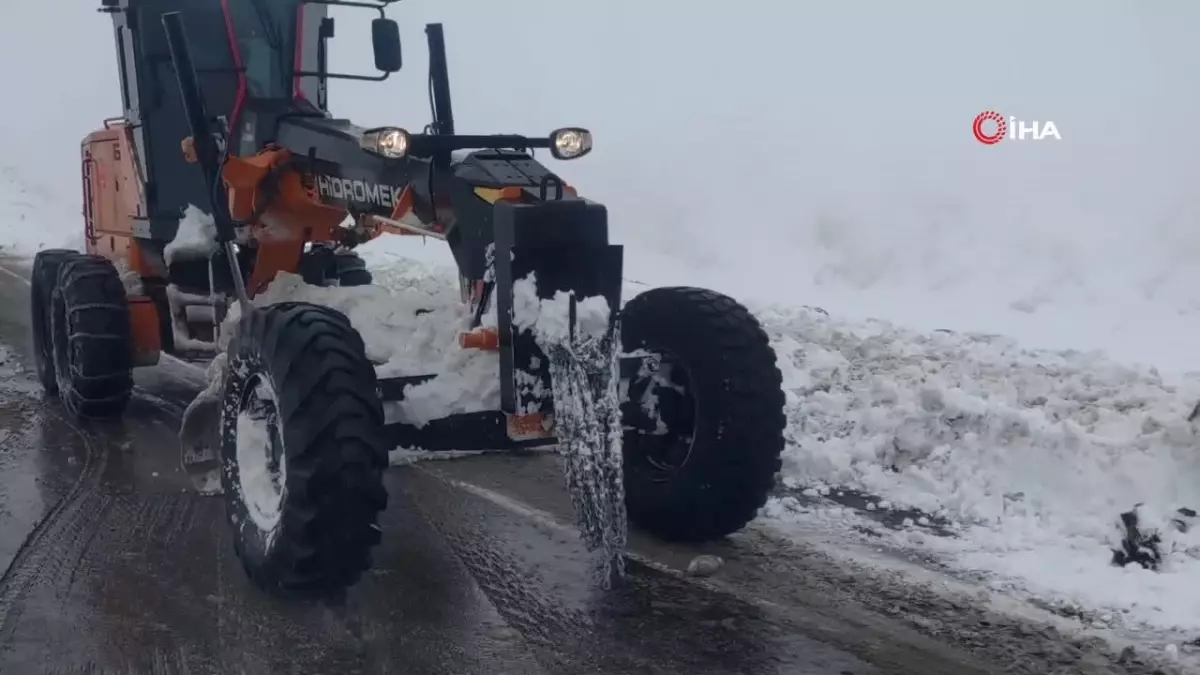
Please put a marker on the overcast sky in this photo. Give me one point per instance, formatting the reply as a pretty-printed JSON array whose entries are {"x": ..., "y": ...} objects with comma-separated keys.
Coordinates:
[{"x": 794, "y": 126}]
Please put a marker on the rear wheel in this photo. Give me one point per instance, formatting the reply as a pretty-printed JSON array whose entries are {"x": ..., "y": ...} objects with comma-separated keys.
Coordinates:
[
  {"x": 92, "y": 338},
  {"x": 703, "y": 415},
  {"x": 303, "y": 448},
  {"x": 42, "y": 282}
]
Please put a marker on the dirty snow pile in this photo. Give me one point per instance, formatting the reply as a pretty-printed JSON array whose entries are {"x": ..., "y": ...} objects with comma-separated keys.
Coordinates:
[{"x": 1030, "y": 457}]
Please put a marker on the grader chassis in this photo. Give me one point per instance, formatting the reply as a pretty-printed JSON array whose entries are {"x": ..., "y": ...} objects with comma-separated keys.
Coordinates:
[{"x": 235, "y": 122}]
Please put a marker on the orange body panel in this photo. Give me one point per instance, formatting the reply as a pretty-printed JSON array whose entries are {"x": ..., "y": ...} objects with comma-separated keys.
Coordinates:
[
  {"x": 292, "y": 215},
  {"x": 282, "y": 206},
  {"x": 147, "y": 336},
  {"x": 112, "y": 202},
  {"x": 112, "y": 196},
  {"x": 530, "y": 426}
]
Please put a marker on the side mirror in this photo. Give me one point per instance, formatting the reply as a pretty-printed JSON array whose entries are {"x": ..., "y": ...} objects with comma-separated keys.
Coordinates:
[
  {"x": 385, "y": 37},
  {"x": 326, "y": 31}
]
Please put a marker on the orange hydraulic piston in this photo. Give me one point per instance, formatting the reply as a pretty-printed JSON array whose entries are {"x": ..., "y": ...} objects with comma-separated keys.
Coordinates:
[{"x": 484, "y": 339}]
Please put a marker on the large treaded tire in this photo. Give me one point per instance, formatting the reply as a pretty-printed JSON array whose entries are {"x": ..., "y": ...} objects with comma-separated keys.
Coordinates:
[
  {"x": 734, "y": 416},
  {"x": 92, "y": 337},
  {"x": 42, "y": 282},
  {"x": 330, "y": 423}
]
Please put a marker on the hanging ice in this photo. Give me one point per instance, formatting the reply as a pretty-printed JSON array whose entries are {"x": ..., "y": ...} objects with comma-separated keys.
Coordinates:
[{"x": 583, "y": 355}]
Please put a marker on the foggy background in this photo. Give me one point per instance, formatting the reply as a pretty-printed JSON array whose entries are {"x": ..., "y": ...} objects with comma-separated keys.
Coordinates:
[{"x": 807, "y": 153}]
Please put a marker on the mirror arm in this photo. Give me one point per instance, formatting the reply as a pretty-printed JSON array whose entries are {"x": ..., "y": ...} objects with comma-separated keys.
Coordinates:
[{"x": 343, "y": 76}]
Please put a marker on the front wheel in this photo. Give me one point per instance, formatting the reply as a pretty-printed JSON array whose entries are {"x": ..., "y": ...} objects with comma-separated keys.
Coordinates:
[
  {"x": 703, "y": 415},
  {"x": 303, "y": 448}
]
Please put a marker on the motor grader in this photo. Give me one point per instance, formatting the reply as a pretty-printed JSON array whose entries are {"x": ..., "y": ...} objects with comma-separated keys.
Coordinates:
[{"x": 226, "y": 111}]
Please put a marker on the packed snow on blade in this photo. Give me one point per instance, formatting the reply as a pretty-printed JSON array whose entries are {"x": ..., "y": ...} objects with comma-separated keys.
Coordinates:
[{"x": 583, "y": 359}]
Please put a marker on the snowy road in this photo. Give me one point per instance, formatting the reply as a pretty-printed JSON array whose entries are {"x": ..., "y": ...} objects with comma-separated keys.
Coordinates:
[{"x": 114, "y": 565}]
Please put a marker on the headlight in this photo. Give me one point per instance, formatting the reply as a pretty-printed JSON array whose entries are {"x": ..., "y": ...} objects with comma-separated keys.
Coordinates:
[
  {"x": 570, "y": 143},
  {"x": 390, "y": 142}
]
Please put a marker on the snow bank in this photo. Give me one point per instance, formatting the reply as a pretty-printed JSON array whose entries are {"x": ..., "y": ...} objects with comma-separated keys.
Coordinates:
[
  {"x": 1023, "y": 460},
  {"x": 32, "y": 218},
  {"x": 1029, "y": 456}
]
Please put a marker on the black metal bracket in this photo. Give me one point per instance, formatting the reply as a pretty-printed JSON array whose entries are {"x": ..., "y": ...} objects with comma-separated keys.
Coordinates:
[{"x": 204, "y": 140}]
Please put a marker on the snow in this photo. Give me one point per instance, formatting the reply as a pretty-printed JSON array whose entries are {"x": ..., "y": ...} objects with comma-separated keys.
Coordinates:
[
  {"x": 1028, "y": 456},
  {"x": 550, "y": 318},
  {"x": 130, "y": 279},
  {"x": 527, "y": 306},
  {"x": 410, "y": 327},
  {"x": 195, "y": 238},
  {"x": 33, "y": 218},
  {"x": 261, "y": 485}
]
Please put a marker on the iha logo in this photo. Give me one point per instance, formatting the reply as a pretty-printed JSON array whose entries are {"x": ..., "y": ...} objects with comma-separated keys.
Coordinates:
[{"x": 990, "y": 128}]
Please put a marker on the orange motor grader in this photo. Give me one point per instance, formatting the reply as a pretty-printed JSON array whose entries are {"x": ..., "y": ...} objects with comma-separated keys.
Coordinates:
[{"x": 226, "y": 115}]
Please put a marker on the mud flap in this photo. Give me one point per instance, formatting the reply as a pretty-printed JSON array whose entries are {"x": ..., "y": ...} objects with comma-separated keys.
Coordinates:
[
  {"x": 200, "y": 432},
  {"x": 564, "y": 244}
]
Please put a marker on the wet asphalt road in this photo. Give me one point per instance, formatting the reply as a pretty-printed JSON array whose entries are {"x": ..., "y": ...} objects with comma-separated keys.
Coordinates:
[{"x": 115, "y": 566}]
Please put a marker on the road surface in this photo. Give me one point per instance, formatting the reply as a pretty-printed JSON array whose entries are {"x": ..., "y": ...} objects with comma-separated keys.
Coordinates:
[{"x": 115, "y": 566}]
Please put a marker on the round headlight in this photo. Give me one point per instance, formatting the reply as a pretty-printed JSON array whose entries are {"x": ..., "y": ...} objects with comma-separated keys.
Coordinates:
[
  {"x": 390, "y": 142},
  {"x": 570, "y": 143}
]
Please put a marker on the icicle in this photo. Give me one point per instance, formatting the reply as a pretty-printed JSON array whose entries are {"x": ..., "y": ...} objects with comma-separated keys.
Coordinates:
[{"x": 584, "y": 373}]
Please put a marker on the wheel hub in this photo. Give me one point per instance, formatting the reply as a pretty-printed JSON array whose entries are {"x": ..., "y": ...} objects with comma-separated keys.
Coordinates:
[
  {"x": 262, "y": 463},
  {"x": 661, "y": 414}
]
